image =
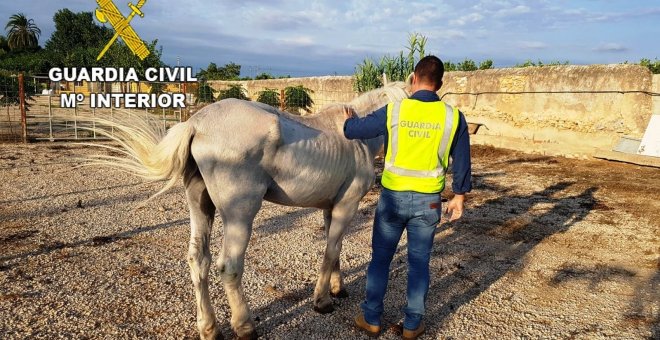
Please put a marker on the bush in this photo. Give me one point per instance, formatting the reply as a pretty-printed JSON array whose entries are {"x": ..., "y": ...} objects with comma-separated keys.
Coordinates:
[
  {"x": 297, "y": 98},
  {"x": 530, "y": 63},
  {"x": 467, "y": 65},
  {"x": 270, "y": 97},
  {"x": 654, "y": 66},
  {"x": 234, "y": 91},
  {"x": 204, "y": 93},
  {"x": 486, "y": 64}
]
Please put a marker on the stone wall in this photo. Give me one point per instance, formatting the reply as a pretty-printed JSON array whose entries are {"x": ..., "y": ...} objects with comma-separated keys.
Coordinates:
[
  {"x": 325, "y": 90},
  {"x": 656, "y": 99},
  {"x": 564, "y": 110},
  {"x": 559, "y": 110}
]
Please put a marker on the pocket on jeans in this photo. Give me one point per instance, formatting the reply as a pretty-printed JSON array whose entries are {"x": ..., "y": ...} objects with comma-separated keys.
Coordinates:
[
  {"x": 432, "y": 217},
  {"x": 432, "y": 214},
  {"x": 384, "y": 209}
]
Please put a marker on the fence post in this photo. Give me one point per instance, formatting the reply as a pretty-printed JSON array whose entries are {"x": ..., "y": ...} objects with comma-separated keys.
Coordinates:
[
  {"x": 75, "y": 113},
  {"x": 21, "y": 96},
  {"x": 282, "y": 100},
  {"x": 50, "y": 117}
]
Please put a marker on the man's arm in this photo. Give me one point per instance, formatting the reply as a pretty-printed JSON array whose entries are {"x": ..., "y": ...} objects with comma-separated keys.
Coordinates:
[
  {"x": 370, "y": 126},
  {"x": 461, "y": 169}
]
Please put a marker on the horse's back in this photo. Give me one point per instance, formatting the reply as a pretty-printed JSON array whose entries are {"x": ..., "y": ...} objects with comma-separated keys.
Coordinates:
[{"x": 304, "y": 166}]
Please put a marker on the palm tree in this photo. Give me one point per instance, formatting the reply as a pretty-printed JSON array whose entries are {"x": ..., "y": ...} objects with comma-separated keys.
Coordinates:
[{"x": 22, "y": 33}]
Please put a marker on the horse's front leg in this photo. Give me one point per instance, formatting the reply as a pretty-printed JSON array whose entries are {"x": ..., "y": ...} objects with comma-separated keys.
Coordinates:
[
  {"x": 202, "y": 212},
  {"x": 341, "y": 216},
  {"x": 336, "y": 280}
]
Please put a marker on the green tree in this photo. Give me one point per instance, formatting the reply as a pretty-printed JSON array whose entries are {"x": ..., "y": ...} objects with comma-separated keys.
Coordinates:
[
  {"x": 298, "y": 98},
  {"x": 4, "y": 44},
  {"x": 78, "y": 40},
  {"x": 120, "y": 55},
  {"x": 230, "y": 71},
  {"x": 22, "y": 33},
  {"x": 234, "y": 91},
  {"x": 263, "y": 76},
  {"x": 75, "y": 31},
  {"x": 29, "y": 62},
  {"x": 270, "y": 97}
]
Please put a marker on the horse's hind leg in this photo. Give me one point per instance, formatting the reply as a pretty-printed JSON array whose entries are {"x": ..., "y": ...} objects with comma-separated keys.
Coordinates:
[
  {"x": 238, "y": 207},
  {"x": 202, "y": 211}
]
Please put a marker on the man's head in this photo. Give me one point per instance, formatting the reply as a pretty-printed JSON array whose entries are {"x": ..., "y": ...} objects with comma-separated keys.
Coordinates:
[{"x": 428, "y": 74}]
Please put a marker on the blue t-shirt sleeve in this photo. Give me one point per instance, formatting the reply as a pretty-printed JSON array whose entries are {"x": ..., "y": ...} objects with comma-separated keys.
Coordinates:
[
  {"x": 460, "y": 155},
  {"x": 370, "y": 126}
]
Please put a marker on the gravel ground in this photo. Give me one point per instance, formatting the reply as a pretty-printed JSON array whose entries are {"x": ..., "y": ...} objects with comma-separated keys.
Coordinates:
[{"x": 548, "y": 248}]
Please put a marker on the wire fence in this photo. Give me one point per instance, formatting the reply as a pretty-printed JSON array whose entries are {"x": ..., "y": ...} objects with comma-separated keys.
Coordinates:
[
  {"x": 10, "y": 105},
  {"x": 37, "y": 114}
]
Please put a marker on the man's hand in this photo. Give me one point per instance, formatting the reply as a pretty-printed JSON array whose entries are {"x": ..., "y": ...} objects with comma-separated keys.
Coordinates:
[
  {"x": 455, "y": 207},
  {"x": 349, "y": 112}
]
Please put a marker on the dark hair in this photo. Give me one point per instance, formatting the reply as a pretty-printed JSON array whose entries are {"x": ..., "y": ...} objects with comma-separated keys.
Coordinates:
[{"x": 430, "y": 70}]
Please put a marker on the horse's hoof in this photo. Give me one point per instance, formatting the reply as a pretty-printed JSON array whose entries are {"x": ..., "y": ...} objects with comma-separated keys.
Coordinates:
[
  {"x": 211, "y": 333},
  {"x": 327, "y": 309},
  {"x": 251, "y": 336},
  {"x": 341, "y": 294}
]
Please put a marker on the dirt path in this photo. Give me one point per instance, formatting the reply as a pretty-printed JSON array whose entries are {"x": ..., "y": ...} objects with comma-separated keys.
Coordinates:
[{"x": 549, "y": 248}]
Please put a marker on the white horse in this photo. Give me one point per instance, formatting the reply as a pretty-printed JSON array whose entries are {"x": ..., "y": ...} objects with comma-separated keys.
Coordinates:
[{"x": 232, "y": 155}]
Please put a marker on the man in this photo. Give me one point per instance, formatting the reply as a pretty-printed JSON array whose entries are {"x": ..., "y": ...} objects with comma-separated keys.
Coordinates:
[{"x": 420, "y": 134}]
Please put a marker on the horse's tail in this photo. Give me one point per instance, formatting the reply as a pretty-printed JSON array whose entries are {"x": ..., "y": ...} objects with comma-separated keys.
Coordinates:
[{"x": 148, "y": 151}]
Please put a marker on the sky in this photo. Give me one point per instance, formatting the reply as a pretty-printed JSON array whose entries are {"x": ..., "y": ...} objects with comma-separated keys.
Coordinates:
[{"x": 328, "y": 37}]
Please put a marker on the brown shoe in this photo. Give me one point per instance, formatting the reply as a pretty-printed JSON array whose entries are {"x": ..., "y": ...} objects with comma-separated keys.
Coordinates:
[
  {"x": 361, "y": 323},
  {"x": 415, "y": 333}
]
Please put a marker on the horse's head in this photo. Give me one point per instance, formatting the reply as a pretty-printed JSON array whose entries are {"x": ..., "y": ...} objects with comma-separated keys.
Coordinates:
[{"x": 375, "y": 99}]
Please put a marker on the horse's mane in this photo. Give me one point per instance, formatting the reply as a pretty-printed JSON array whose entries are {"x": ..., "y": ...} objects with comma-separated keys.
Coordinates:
[
  {"x": 375, "y": 99},
  {"x": 362, "y": 105}
]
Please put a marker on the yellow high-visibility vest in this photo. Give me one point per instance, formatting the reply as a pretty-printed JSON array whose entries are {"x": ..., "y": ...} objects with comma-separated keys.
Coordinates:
[{"x": 419, "y": 140}]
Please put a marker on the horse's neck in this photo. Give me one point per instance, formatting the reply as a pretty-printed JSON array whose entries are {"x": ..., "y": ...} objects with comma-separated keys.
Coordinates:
[{"x": 327, "y": 121}]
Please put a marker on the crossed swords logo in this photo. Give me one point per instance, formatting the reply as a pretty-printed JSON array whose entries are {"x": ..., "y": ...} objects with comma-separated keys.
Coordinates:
[{"x": 108, "y": 12}]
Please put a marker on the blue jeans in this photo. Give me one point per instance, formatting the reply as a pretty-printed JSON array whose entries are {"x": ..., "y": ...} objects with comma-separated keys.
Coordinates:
[{"x": 418, "y": 214}]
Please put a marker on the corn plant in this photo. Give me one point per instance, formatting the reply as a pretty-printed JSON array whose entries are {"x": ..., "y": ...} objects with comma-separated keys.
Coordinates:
[{"x": 368, "y": 74}]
